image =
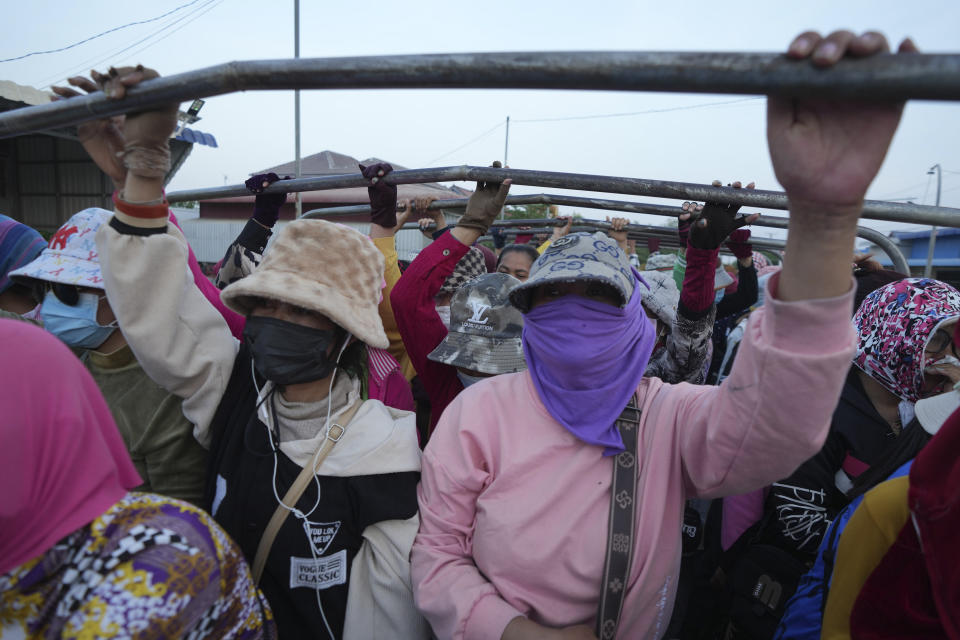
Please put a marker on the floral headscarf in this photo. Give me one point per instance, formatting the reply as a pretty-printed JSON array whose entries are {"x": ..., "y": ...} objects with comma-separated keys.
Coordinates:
[{"x": 893, "y": 326}]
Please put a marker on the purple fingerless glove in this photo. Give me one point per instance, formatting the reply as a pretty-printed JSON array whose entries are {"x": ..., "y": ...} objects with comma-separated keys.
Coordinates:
[
  {"x": 738, "y": 245},
  {"x": 266, "y": 206},
  {"x": 383, "y": 196}
]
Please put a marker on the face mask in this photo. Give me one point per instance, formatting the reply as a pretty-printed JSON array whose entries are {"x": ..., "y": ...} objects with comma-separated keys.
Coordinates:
[
  {"x": 468, "y": 380},
  {"x": 288, "y": 353},
  {"x": 33, "y": 314},
  {"x": 444, "y": 313},
  {"x": 75, "y": 325},
  {"x": 717, "y": 298}
]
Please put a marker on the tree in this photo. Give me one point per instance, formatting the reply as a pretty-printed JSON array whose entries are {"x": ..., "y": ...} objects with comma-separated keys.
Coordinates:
[{"x": 526, "y": 212}]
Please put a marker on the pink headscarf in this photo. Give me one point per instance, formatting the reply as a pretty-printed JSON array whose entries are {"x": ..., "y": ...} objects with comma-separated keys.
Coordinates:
[{"x": 62, "y": 457}]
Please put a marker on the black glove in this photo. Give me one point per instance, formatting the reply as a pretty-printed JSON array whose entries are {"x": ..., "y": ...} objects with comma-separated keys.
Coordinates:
[
  {"x": 499, "y": 236},
  {"x": 710, "y": 227},
  {"x": 266, "y": 207}
]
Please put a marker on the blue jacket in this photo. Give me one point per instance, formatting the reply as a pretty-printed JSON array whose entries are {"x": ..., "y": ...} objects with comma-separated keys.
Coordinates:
[{"x": 803, "y": 618}]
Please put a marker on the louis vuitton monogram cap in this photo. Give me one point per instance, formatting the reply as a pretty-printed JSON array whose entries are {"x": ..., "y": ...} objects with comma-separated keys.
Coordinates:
[{"x": 484, "y": 332}]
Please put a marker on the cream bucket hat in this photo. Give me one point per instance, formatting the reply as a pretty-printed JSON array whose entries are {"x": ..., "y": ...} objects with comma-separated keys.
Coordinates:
[{"x": 322, "y": 266}]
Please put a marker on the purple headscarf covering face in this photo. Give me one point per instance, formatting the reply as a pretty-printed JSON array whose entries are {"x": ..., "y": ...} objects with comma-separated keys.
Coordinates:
[
  {"x": 894, "y": 324},
  {"x": 586, "y": 359}
]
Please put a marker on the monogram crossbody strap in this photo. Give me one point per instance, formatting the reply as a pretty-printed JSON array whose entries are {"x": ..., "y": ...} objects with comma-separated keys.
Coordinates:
[{"x": 623, "y": 507}]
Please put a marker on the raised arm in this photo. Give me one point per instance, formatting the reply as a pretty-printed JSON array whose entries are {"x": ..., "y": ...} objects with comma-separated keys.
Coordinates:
[
  {"x": 774, "y": 410},
  {"x": 384, "y": 224},
  {"x": 179, "y": 339},
  {"x": 684, "y": 357},
  {"x": 246, "y": 251},
  {"x": 826, "y": 153},
  {"x": 413, "y": 296}
]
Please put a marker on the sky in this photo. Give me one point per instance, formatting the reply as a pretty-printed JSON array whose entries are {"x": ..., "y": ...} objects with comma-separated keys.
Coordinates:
[{"x": 670, "y": 136}]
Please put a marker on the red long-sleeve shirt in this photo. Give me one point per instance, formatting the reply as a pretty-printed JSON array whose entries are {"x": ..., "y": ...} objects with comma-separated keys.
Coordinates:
[{"x": 420, "y": 327}]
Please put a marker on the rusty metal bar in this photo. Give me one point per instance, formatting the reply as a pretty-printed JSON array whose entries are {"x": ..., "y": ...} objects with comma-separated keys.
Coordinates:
[
  {"x": 872, "y": 209},
  {"x": 882, "y": 241},
  {"x": 666, "y": 234},
  {"x": 881, "y": 77}
]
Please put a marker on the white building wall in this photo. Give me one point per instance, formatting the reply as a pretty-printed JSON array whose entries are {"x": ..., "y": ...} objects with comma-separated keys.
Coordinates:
[{"x": 210, "y": 238}]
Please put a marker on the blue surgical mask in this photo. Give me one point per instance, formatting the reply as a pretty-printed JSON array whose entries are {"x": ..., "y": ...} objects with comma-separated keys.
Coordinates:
[
  {"x": 717, "y": 298},
  {"x": 75, "y": 325},
  {"x": 468, "y": 380}
]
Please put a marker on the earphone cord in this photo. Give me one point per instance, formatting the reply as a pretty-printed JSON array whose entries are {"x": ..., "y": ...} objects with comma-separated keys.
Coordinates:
[{"x": 303, "y": 517}]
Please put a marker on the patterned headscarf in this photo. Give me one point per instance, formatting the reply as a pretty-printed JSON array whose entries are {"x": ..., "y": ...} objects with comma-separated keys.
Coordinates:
[
  {"x": 472, "y": 265},
  {"x": 759, "y": 260},
  {"x": 893, "y": 326}
]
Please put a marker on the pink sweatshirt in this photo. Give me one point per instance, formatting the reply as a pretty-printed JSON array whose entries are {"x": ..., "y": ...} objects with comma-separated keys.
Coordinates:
[{"x": 514, "y": 508}]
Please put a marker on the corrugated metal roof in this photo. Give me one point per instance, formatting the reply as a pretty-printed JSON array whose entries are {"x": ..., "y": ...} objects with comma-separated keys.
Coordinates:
[{"x": 197, "y": 137}]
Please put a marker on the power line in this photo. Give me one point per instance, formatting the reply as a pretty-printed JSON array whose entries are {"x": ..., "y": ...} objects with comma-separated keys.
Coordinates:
[
  {"x": 94, "y": 61},
  {"x": 638, "y": 113},
  {"x": 926, "y": 189},
  {"x": 111, "y": 56},
  {"x": 910, "y": 188},
  {"x": 99, "y": 35},
  {"x": 466, "y": 144},
  {"x": 210, "y": 6}
]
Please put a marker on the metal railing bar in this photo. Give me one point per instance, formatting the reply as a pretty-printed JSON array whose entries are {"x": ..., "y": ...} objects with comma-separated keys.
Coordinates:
[
  {"x": 872, "y": 209},
  {"x": 920, "y": 76}
]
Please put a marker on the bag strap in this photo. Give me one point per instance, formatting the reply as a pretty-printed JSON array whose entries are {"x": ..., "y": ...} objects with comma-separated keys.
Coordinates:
[
  {"x": 292, "y": 496},
  {"x": 623, "y": 503}
]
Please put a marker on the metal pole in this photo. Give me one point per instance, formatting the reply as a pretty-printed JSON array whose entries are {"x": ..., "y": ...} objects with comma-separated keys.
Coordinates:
[
  {"x": 928, "y": 270},
  {"x": 506, "y": 147},
  {"x": 296, "y": 102},
  {"x": 506, "y": 144},
  {"x": 636, "y": 231},
  {"x": 872, "y": 209},
  {"x": 880, "y": 77},
  {"x": 889, "y": 247},
  {"x": 874, "y": 236}
]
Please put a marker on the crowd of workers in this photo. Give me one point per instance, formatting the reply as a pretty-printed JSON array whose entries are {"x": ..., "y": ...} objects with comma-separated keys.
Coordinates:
[{"x": 530, "y": 442}]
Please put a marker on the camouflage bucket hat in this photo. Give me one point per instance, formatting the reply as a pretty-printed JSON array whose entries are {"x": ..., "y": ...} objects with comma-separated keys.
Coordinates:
[
  {"x": 485, "y": 330},
  {"x": 579, "y": 257}
]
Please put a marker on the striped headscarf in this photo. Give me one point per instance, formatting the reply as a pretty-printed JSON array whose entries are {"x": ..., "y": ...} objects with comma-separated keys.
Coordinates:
[{"x": 19, "y": 245}]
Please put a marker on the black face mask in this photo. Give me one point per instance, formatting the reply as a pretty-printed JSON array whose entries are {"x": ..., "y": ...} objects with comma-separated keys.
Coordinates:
[{"x": 288, "y": 353}]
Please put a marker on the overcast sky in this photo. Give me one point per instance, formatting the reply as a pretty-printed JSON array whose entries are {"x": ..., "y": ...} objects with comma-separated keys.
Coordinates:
[{"x": 433, "y": 128}]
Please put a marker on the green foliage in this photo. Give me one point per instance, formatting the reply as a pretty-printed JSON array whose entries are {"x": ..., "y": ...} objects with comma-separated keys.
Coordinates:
[{"x": 526, "y": 212}]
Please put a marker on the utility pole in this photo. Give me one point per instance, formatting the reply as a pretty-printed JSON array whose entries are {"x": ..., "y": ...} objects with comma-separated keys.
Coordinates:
[
  {"x": 296, "y": 101},
  {"x": 506, "y": 142},
  {"x": 506, "y": 148},
  {"x": 928, "y": 270}
]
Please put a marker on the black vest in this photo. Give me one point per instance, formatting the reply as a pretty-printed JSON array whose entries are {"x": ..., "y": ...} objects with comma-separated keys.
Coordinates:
[{"x": 241, "y": 497}]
